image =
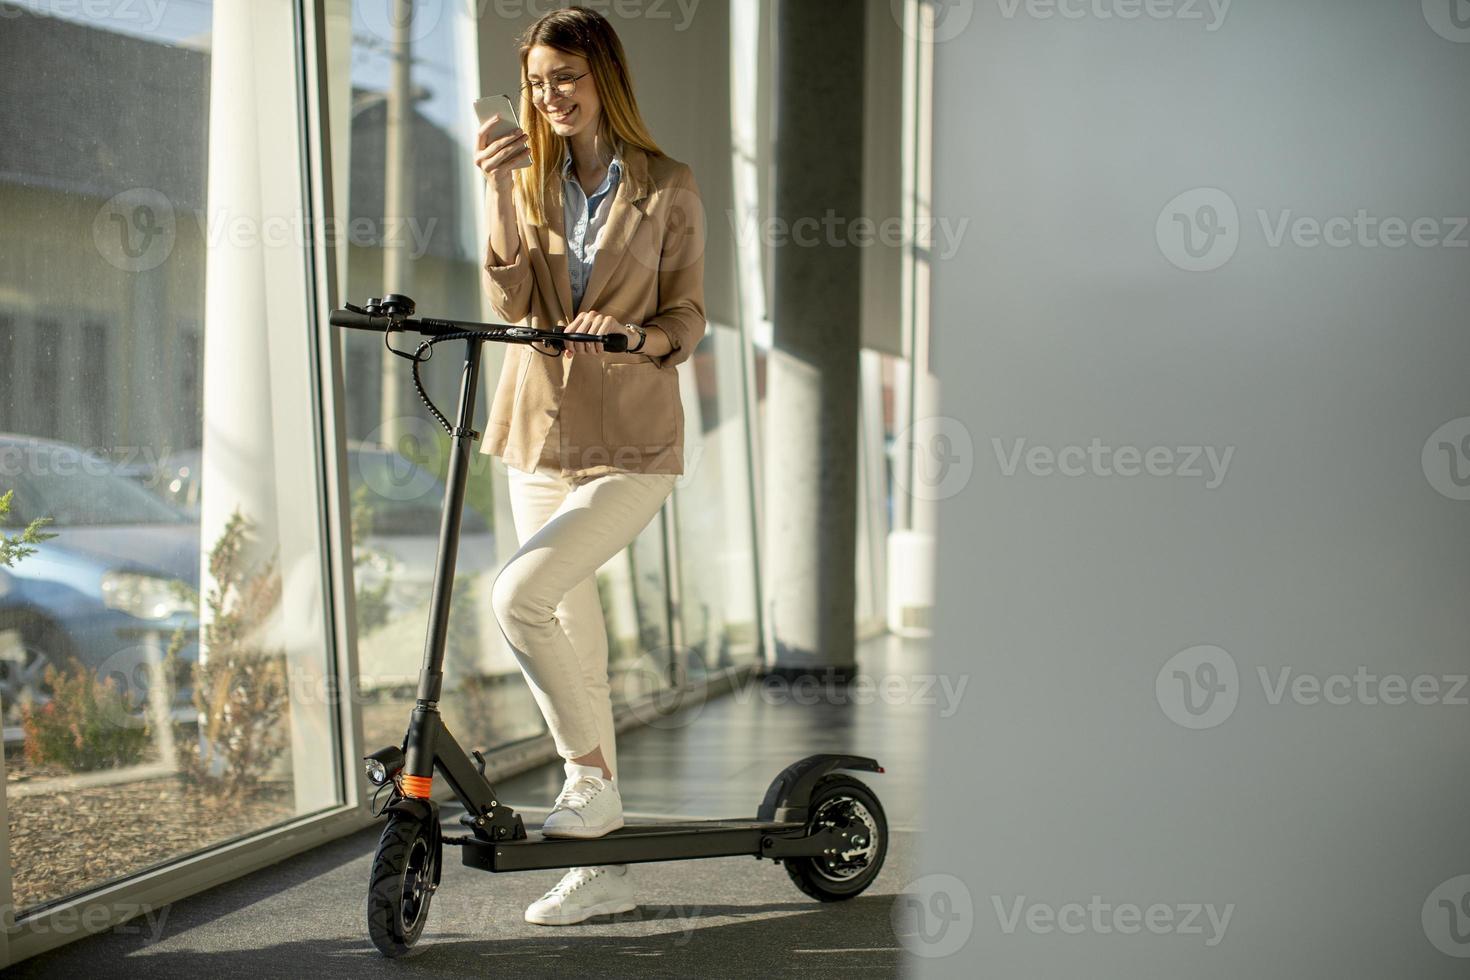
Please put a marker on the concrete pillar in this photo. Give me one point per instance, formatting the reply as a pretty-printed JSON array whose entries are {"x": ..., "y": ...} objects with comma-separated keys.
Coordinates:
[
  {"x": 812, "y": 411},
  {"x": 258, "y": 447},
  {"x": 397, "y": 208},
  {"x": 919, "y": 476}
]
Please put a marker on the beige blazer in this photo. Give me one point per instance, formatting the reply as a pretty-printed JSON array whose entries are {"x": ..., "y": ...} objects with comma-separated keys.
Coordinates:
[{"x": 612, "y": 412}]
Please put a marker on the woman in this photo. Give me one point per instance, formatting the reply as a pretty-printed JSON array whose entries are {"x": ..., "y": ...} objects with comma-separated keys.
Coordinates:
[{"x": 592, "y": 441}]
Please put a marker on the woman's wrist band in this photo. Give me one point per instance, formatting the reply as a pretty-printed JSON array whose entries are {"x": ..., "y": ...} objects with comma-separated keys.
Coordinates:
[{"x": 642, "y": 337}]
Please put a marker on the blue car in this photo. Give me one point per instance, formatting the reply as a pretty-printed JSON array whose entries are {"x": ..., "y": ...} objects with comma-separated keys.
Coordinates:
[
  {"x": 404, "y": 503},
  {"x": 102, "y": 593}
]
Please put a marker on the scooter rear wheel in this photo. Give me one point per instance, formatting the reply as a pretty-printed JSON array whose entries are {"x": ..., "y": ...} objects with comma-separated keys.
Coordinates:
[
  {"x": 849, "y": 807},
  {"x": 401, "y": 886}
]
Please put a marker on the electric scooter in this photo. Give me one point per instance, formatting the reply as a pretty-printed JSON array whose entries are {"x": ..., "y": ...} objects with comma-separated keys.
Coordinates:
[{"x": 826, "y": 827}]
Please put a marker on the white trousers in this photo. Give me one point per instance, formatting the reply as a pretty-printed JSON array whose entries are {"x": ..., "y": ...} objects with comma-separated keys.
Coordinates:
[{"x": 546, "y": 600}]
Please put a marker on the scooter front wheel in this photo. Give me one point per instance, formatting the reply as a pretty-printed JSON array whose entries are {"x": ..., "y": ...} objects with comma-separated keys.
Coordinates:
[{"x": 402, "y": 884}]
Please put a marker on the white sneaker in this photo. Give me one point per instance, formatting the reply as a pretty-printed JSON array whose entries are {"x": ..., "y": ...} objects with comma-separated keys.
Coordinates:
[
  {"x": 587, "y": 806},
  {"x": 583, "y": 893}
]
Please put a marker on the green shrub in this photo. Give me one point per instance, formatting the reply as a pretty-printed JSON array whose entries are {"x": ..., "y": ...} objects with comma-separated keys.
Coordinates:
[
  {"x": 240, "y": 690},
  {"x": 14, "y": 548},
  {"x": 372, "y": 601},
  {"x": 86, "y": 725}
]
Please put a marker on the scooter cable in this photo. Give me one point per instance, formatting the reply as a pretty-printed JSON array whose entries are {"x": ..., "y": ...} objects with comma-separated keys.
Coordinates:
[{"x": 419, "y": 357}]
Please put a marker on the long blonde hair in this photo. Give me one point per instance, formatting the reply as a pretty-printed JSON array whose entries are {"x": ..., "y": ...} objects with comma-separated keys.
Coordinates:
[{"x": 584, "y": 32}]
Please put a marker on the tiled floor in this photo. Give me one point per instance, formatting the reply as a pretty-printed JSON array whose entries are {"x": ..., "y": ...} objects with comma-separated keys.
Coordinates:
[
  {"x": 717, "y": 759},
  {"x": 715, "y": 917}
]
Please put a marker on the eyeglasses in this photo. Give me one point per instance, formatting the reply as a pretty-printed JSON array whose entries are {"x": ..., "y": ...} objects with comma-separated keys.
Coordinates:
[{"x": 563, "y": 85}]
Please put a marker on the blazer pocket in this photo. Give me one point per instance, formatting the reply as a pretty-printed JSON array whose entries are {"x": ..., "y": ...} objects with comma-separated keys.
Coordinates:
[{"x": 640, "y": 406}]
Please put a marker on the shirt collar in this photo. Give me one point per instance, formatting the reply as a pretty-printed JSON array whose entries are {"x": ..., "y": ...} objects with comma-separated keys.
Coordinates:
[{"x": 616, "y": 164}]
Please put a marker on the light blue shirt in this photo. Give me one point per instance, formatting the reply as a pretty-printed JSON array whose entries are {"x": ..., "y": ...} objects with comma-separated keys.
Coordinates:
[{"x": 585, "y": 218}]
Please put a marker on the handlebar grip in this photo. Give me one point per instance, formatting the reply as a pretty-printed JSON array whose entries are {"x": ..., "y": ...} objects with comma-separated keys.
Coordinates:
[
  {"x": 357, "y": 321},
  {"x": 615, "y": 343}
]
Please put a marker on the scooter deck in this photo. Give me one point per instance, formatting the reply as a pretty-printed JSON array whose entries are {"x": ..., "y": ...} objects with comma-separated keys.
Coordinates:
[{"x": 632, "y": 844}]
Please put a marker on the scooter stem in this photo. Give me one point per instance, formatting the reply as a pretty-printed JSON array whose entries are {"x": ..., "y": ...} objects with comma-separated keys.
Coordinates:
[{"x": 461, "y": 444}]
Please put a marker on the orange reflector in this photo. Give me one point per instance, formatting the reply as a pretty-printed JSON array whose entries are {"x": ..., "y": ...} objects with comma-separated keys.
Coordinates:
[{"x": 417, "y": 786}]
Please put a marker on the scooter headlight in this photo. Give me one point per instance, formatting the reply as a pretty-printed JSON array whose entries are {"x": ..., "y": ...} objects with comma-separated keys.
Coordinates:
[{"x": 383, "y": 765}]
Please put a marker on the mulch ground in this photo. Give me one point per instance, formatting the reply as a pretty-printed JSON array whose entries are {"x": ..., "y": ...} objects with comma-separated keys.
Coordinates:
[{"x": 75, "y": 839}]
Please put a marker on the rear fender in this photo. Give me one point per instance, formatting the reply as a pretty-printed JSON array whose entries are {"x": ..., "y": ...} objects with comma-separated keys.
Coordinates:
[{"x": 789, "y": 795}]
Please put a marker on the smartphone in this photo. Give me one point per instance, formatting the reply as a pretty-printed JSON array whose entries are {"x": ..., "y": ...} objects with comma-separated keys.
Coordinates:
[{"x": 507, "y": 123}]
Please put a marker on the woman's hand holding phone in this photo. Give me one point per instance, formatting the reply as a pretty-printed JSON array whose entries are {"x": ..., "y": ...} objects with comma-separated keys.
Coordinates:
[
  {"x": 499, "y": 156},
  {"x": 500, "y": 148},
  {"x": 501, "y": 145}
]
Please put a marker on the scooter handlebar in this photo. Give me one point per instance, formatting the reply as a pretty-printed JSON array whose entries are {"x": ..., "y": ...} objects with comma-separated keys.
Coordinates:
[
  {"x": 358, "y": 321},
  {"x": 613, "y": 343}
]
